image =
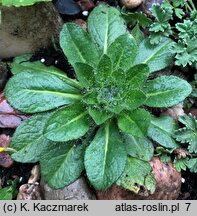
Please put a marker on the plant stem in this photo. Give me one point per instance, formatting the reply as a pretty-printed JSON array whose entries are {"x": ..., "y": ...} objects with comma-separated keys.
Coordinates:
[
  {"x": 11, "y": 150},
  {"x": 192, "y": 4},
  {"x": 188, "y": 7}
]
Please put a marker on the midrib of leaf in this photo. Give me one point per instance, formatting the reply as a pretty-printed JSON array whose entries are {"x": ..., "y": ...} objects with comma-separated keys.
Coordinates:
[
  {"x": 106, "y": 34},
  {"x": 162, "y": 129},
  {"x": 106, "y": 147},
  {"x": 118, "y": 62},
  {"x": 155, "y": 53},
  {"x": 38, "y": 139},
  {"x": 131, "y": 120},
  {"x": 65, "y": 78},
  {"x": 71, "y": 121},
  {"x": 78, "y": 51},
  {"x": 74, "y": 96},
  {"x": 136, "y": 144},
  {"x": 62, "y": 163},
  {"x": 159, "y": 93}
]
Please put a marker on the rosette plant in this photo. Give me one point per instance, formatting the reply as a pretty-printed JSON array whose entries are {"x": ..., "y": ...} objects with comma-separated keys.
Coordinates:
[{"x": 98, "y": 122}]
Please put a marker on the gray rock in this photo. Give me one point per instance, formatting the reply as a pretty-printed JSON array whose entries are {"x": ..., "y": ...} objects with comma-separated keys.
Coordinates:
[
  {"x": 79, "y": 190},
  {"x": 27, "y": 29},
  {"x": 3, "y": 75}
]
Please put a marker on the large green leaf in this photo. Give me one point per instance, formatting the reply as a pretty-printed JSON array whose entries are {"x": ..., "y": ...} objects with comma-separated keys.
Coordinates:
[
  {"x": 135, "y": 123},
  {"x": 62, "y": 163},
  {"x": 123, "y": 52},
  {"x": 29, "y": 141},
  {"x": 105, "y": 157},
  {"x": 22, "y": 63},
  {"x": 105, "y": 25},
  {"x": 157, "y": 57},
  {"x": 37, "y": 92},
  {"x": 137, "y": 173},
  {"x": 166, "y": 91},
  {"x": 77, "y": 45},
  {"x": 137, "y": 75},
  {"x": 18, "y": 3},
  {"x": 141, "y": 148},
  {"x": 162, "y": 129},
  {"x": 67, "y": 124}
]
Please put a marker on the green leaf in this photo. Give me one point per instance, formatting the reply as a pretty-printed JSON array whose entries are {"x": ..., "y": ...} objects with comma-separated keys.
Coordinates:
[
  {"x": 90, "y": 98},
  {"x": 137, "y": 17},
  {"x": 105, "y": 25},
  {"x": 104, "y": 69},
  {"x": 85, "y": 74},
  {"x": 18, "y": 3},
  {"x": 137, "y": 34},
  {"x": 105, "y": 157},
  {"x": 67, "y": 124},
  {"x": 137, "y": 173},
  {"x": 161, "y": 130},
  {"x": 184, "y": 135},
  {"x": 180, "y": 164},
  {"x": 38, "y": 92},
  {"x": 77, "y": 45},
  {"x": 135, "y": 123},
  {"x": 156, "y": 57},
  {"x": 22, "y": 63},
  {"x": 6, "y": 193},
  {"x": 29, "y": 141},
  {"x": 134, "y": 99},
  {"x": 99, "y": 116},
  {"x": 62, "y": 163},
  {"x": 137, "y": 75},
  {"x": 140, "y": 148},
  {"x": 10, "y": 192},
  {"x": 189, "y": 121},
  {"x": 162, "y": 13},
  {"x": 188, "y": 134},
  {"x": 192, "y": 165},
  {"x": 166, "y": 91},
  {"x": 123, "y": 52}
]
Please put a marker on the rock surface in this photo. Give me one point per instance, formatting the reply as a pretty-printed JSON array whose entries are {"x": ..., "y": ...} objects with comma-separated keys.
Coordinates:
[
  {"x": 27, "y": 29},
  {"x": 130, "y": 4},
  {"x": 168, "y": 185},
  {"x": 9, "y": 118},
  {"x": 78, "y": 190},
  {"x": 3, "y": 74}
]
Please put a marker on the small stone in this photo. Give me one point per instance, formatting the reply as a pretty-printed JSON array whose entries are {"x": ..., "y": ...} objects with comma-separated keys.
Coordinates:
[
  {"x": 130, "y": 4},
  {"x": 42, "y": 60},
  {"x": 5, "y": 159},
  {"x": 29, "y": 192},
  {"x": 85, "y": 13},
  {"x": 78, "y": 190}
]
